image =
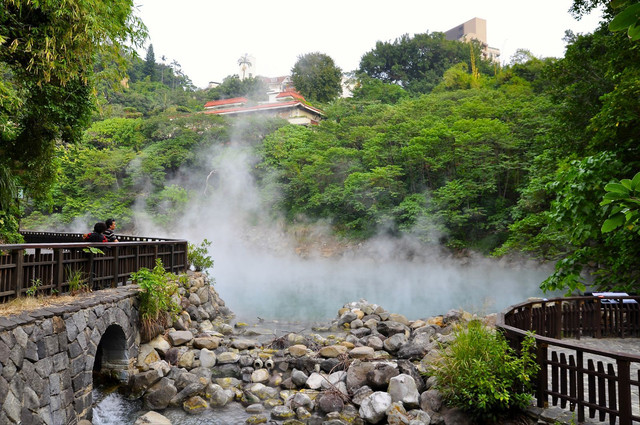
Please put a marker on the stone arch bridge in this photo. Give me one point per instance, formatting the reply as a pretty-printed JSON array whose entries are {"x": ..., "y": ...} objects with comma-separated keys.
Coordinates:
[{"x": 48, "y": 356}]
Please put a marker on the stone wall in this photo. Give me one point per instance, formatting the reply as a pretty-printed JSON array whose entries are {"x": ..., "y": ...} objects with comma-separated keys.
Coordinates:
[{"x": 47, "y": 356}]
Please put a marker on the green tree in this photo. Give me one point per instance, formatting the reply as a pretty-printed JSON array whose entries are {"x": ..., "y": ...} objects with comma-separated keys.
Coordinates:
[
  {"x": 317, "y": 77},
  {"x": 150, "y": 64},
  {"x": 418, "y": 63},
  {"x": 47, "y": 54}
]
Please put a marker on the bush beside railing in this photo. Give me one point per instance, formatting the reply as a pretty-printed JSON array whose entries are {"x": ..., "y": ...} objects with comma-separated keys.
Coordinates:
[
  {"x": 570, "y": 375},
  {"x": 53, "y": 260}
]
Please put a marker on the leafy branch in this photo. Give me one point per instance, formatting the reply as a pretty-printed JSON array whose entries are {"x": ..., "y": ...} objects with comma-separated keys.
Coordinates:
[{"x": 624, "y": 198}]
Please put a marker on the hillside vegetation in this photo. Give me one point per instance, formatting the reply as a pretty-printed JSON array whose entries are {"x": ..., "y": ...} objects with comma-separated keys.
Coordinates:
[{"x": 449, "y": 149}]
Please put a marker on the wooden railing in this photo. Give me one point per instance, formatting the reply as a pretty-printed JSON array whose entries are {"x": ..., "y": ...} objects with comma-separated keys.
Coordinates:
[
  {"x": 587, "y": 380},
  {"x": 48, "y": 261}
]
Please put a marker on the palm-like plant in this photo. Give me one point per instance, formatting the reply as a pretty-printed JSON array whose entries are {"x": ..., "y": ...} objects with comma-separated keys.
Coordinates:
[{"x": 244, "y": 63}]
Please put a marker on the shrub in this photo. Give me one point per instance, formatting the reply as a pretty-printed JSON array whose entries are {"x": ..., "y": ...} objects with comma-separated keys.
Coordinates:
[
  {"x": 157, "y": 307},
  {"x": 483, "y": 376},
  {"x": 198, "y": 256},
  {"x": 77, "y": 281}
]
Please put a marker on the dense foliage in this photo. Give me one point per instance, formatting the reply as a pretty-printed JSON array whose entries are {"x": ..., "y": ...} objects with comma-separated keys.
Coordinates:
[
  {"x": 481, "y": 374},
  {"x": 418, "y": 63},
  {"x": 446, "y": 166},
  {"x": 46, "y": 61},
  {"x": 316, "y": 77},
  {"x": 435, "y": 143}
]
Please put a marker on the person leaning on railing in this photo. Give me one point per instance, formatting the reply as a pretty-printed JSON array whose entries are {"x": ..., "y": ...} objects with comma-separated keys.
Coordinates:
[
  {"x": 98, "y": 233},
  {"x": 111, "y": 226}
]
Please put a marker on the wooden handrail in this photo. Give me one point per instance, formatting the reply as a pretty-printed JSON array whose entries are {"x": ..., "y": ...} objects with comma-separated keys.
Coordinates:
[
  {"x": 51, "y": 264},
  {"x": 584, "y": 382}
]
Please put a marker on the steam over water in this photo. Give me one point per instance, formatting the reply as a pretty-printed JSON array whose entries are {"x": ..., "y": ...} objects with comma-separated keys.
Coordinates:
[
  {"x": 259, "y": 273},
  {"x": 310, "y": 290}
]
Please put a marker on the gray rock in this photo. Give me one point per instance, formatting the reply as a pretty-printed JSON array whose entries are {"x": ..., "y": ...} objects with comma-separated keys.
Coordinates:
[
  {"x": 194, "y": 405},
  {"x": 357, "y": 374},
  {"x": 417, "y": 347},
  {"x": 374, "y": 342},
  {"x": 391, "y": 328},
  {"x": 300, "y": 400},
  {"x": 207, "y": 358},
  {"x": 394, "y": 342},
  {"x": 420, "y": 417},
  {"x": 315, "y": 381},
  {"x": 159, "y": 395},
  {"x": 397, "y": 415},
  {"x": 228, "y": 357},
  {"x": 402, "y": 388},
  {"x": 452, "y": 316},
  {"x": 180, "y": 337},
  {"x": 183, "y": 379},
  {"x": 187, "y": 392},
  {"x": 360, "y": 394},
  {"x": 260, "y": 375},
  {"x": 378, "y": 378},
  {"x": 141, "y": 382},
  {"x": 263, "y": 392},
  {"x": 255, "y": 408},
  {"x": 329, "y": 402},
  {"x": 347, "y": 317},
  {"x": 299, "y": 378},
  {"x": 217, "y": 396},
  {"x": 374, "y": 407},
  {"x": 282, "y": 413},
  {"x": 210, "y": 342},
  {"x": 244, "y": 344},
  {"x": 152, "y": 418},
  {"x": 360, "y": 332},
  {"x": 456, "y": 417},
  {"x": 332, "y": 380},
  {"x": 431, "y": 400}
]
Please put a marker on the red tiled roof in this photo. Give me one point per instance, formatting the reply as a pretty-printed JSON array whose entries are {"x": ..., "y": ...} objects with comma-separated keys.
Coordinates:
[
  {"x": 277, "y": 105},
  {"x": 290, "y": 93},
  {"x": 225, "y": 102}
]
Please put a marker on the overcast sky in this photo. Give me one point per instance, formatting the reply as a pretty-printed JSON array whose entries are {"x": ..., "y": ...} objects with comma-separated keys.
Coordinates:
[{"x": 207, "y": 37}]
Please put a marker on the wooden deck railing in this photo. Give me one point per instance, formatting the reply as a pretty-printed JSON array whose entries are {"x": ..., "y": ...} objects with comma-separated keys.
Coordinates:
[
  {"x": 589, "y": 380},
  {"x": 51, "y": 258}
]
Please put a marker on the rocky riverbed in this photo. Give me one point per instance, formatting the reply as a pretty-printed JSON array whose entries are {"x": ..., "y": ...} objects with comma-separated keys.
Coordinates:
[{"x": 368, "y": 366}]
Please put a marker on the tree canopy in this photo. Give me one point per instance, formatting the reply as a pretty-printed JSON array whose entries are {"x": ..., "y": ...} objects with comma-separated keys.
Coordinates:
[
  {"x": 316, "y": 77},
  {"x": 418, "y": 63},
  {"x": 47, "y": 55}
]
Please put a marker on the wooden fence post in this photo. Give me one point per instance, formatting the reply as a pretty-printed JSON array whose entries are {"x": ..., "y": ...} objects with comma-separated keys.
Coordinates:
[
  {"x": 580, "y": 384},
  {"x": 543, "y": 378},
  {"x": 172, "y": 259},
  {"x": 18, "y": 277},
  {"x": 91, "y": 271},
  {"x": 624, "y": 391},
  {"x": 58, "y": 273},
  {"x": 116, "y": 266}
]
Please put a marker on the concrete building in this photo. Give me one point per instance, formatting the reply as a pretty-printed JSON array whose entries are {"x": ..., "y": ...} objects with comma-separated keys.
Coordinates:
[{"x": 474, "y": 29}]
